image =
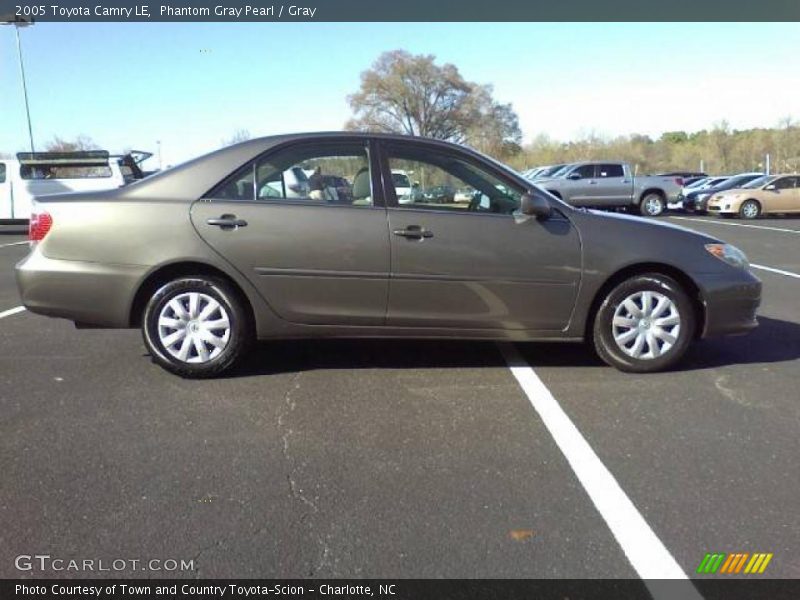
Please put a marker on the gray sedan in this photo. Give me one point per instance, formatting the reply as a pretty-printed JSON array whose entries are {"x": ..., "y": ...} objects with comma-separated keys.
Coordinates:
[{"x": 212, "y": 254}]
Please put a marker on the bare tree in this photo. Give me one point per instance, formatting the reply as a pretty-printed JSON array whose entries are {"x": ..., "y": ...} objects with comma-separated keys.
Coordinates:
[
  {"x": 411, "y": 94},
  {"x": 240, "y": 135},
  {"x": 81, "y": 142}
]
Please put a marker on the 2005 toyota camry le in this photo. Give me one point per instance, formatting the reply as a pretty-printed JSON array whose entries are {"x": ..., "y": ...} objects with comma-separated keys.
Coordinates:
[{"x": 305, "y": 236}]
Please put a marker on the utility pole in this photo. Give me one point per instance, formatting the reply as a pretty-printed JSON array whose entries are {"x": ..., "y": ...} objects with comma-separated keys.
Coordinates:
[
  {"x": 17, "y": 25},
  {"x": 767, "y": 163}
]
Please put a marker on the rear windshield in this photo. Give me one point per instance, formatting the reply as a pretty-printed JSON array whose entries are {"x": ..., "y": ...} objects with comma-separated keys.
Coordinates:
[
  {"x": 300, "y": 174},
  {"x": 400, "y": 180},
  {"x": 64, "y": 171}
]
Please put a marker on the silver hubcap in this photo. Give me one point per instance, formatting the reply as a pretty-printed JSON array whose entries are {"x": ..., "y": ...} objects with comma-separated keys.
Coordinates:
[
  {"x": 653, "y": 205},
  {"x": 646, "y": 325},
  {"x": 750, "y": 210},
  {"x": 194, "y": 327}
]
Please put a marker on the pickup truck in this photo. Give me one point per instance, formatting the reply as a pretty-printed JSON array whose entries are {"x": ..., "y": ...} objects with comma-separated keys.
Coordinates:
[{"x": 606, "y": 184}]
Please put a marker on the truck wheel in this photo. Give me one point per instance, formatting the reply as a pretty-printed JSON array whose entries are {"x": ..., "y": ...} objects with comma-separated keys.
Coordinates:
[
  {"x": 645, "y": 324},
  {"x": 652, "y": 204}
]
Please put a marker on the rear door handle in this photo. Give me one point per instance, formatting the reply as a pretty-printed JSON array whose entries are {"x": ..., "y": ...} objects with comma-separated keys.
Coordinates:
[
  {"x": 227, "y": 222},
  {"x": 414, "y": 232}
]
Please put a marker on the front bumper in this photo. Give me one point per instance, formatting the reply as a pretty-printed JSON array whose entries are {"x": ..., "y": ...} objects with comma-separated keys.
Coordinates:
[
  {"x": 695, "y": 204},
  {"x": 85, "y": 292},
  {"x": 730, "y": 302}
]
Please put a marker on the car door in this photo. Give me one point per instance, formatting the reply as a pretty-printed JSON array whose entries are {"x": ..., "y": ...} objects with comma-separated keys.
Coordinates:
[
  {"x": 475, "y": 264},
  {"x": 317, "y": 257},
  {"x": 581, "y": 185},
  {"x": 614, "y": 187},
  {"x": 783, "y": 197}
]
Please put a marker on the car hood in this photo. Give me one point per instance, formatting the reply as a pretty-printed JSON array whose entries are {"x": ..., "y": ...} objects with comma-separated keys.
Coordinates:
[{"x": 642, "y": 224}]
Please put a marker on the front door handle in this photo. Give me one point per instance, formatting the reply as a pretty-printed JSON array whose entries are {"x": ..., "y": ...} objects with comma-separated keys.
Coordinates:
[
  {"x": 414, "y": 232},
  {"x": 227, "y": 222}
]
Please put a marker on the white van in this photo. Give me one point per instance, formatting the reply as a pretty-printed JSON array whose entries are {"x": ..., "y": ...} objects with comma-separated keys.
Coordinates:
[{"x": 34, "y": 174}]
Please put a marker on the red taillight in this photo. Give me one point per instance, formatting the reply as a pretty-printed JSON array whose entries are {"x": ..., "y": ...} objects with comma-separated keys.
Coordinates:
[
  {"x": 679, "y": 181},
  {"x": 40, "y": 224}
]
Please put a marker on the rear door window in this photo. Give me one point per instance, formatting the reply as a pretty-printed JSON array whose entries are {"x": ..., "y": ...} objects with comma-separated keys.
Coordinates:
[
  {"x": 610, "y": 171},
  {"x": 2, "y": 172}
]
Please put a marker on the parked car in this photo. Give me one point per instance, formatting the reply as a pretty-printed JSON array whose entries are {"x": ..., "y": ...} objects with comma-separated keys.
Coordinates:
[
  {"x": 441, "y": 194},
  {"x": 464, "y": 195},
  {"x": 34, "y": 174},
  {"x": 204, "y": 275},
  {"x": 683, "y": 174},
  {"x": 551, "y": 171},
  {"x": 696, "y": 200},
  {"x": 612, "y": 184},
  {"x": 700, "y": 184},
  {"x": 407, "y": 192},
  {"x": 764, "y": 195}
]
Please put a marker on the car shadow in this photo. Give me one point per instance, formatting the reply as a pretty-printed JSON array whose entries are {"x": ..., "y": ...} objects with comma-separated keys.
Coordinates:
[
  {"x": 773, "y": 341},
  {"x": 273, "y": 357}
]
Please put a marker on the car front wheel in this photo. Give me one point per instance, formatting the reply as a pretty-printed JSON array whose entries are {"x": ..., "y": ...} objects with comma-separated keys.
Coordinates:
[
  {"x": 644, "y": 324},
  {"x": 196, "y": 327},
  {"x": 750, "y": 209}
]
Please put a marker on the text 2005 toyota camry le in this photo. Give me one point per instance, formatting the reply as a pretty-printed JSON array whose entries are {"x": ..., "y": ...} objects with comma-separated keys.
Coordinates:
[{"x": 313, "y": 236}]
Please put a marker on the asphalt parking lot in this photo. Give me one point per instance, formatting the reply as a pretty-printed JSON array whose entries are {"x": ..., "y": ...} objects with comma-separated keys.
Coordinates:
[{"x": 400, "y": 459}]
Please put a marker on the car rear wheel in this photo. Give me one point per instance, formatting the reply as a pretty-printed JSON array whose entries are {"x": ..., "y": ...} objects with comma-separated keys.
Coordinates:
[
  {"x": 750, "y": 209},
  {"x": 652, "y": 205},
  {"x": 644, "y": 324},
  {"x": 196, "y": 327}
]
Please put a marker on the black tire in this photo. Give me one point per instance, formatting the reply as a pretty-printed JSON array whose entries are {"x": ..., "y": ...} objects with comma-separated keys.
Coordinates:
[
  {"x": 603, "y": 331},
  {"x": 652, "y": 204},
  {"x": 239, "y": 333},
  {"x": 750, "y": 209}
]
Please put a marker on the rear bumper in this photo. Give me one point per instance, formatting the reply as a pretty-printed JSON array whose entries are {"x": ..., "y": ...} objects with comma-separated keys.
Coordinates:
[
  {"x": 85, "y": 292},
  {"x": 730, "y": 303}
]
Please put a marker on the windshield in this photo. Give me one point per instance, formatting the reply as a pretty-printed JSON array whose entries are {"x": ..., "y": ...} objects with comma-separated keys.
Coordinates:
[
  {"x": 760, "y": 181},
  {"x": 699, "y": 182},
  {"x": 400, "y": 180},
  {"x": 737, "y": 182},
  {"x": 560, "y": 170}
]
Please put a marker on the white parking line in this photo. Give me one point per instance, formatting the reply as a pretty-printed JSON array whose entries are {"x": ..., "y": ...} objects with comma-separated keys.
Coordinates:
[
  {"x": 11, "y": 311},
  {"x": 14, "y": 244},
  {"x": 778, "y": 271},
  {"x": 646, "y": 553},
  {"x": 710, "y": 222}
]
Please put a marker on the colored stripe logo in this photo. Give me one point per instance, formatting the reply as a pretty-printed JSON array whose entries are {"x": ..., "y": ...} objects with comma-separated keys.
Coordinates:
[{"x": 735, "y": 563}]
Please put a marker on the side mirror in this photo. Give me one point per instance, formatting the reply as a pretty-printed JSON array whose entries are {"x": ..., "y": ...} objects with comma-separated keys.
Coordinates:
[
  {"x": 535, "y": 205},
  {"x": 770, "y": 187},
  {"x": 574, "y": 175}
]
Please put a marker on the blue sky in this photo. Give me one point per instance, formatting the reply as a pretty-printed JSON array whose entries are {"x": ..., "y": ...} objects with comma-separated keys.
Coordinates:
[{"x": 193, "y": 85}]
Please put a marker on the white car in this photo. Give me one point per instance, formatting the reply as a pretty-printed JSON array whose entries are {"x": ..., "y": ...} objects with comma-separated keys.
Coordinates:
[
  {"x": 406, "y": 191},
  {"x": 34, "y": 174}
]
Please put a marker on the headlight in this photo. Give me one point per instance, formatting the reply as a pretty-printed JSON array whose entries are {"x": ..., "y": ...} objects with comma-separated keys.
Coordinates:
[{"x": 730, "y": 254}]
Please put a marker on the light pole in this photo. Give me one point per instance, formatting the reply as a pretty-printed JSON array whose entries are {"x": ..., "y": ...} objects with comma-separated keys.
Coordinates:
[{"x": 17, "y": 25}]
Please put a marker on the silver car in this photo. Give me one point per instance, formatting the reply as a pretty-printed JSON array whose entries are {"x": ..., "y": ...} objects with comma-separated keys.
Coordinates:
[{"x": 205, "y": 263}]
